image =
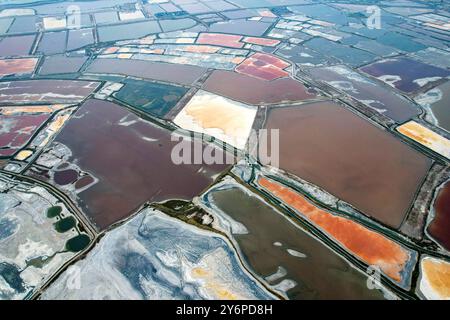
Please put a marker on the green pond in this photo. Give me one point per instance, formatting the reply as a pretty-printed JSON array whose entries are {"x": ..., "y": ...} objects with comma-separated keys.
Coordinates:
[
  {"x": 54, "y": 211},
  {"x": 65, "y": 224},
  {"x": 154, "y": 98},
  {"x": 78, "y": 243}
]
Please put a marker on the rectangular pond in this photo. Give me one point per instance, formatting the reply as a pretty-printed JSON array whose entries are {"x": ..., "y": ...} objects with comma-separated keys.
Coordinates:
[{"x": 333, "y": 148}]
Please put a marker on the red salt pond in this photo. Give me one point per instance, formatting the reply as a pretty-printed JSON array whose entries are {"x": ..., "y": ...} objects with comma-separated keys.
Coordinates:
[
  {"x": 255, "y": 91},
  {"x": 439, "y": 228},
  {"x": 17, "y": 66},
  {"x": 84, "y": 182},
  {"x": 372, "y": 248},
  {"x": 328, "y": 145},
  {"x": 264, "y": 66},
  {"x": 217, "y": 39},
  {"x": 65, "y": 177},
  {"x": 16, "y": 131},
  {"x": 131, "y": 159}
]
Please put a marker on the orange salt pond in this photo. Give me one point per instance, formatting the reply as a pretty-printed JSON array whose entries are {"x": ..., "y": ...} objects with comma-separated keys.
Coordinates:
[
  {"x": 12, "y": 110},
  {"x": 110, "y": 50},
  {"x": 222, "y": 118},
  {"x": 426, "y": 137},
  {"x": 23, "y": 155},
  {"x": 17, "y": 66},
  {"x": 367, "y": 245},
  {"x": 434, "y": 283},
  {"x": 226, "y": 40},
  {"x": 264, "y": 66}
]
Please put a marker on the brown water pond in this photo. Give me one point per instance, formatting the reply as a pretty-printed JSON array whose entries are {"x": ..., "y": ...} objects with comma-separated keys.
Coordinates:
[
  {"x": 339, "y": 151},
  {"x": 255, "y": 91},
  {"x": 273, "y": 241},
  {"x": 181, "y": 74},
  {"x": 131, "y": 158},
  {"x": 45, "y": 91}
]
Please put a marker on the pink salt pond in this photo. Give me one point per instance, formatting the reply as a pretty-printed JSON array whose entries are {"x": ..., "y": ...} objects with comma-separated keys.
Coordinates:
[
  {"x": 264, "y": 66},
  {"x": 226, "y": 40},
  {"x": 16, "y": 131},
  {"x": 262, "y": 41}
]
